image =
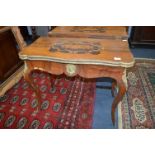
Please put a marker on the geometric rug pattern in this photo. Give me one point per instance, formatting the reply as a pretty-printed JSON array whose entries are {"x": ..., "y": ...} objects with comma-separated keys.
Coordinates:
[
  {"x": 137, "y": 110},
  {"x": 65, "y": 103}
]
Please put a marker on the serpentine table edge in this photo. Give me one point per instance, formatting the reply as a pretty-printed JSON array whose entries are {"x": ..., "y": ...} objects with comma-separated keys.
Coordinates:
[{"x": 117, "y": 73}]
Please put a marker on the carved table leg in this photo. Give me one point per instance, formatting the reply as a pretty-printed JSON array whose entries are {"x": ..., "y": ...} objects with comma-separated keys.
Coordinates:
[
  {"x": 122, "y": 89},
  {"x": 28, "y": 78},
  {"x": 113, "y": 86}
]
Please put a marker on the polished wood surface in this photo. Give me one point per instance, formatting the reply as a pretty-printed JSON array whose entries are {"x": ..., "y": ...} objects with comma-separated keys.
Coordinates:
[
  {"x": 96, "y": 32},
  {"x": 88, "y": 58},
  {"x": 9, "y": 48},
  {"x": 89, "y": 52},
  {"x": 83, "y": 70},
  {"x": 80, "y": 51},
  {"x": 16, "y": 32}
]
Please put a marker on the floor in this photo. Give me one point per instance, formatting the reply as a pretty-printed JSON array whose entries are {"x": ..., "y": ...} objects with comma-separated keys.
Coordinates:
[
  {"x": 102, "y": 111},
  {"x": 103, "y": 102}
]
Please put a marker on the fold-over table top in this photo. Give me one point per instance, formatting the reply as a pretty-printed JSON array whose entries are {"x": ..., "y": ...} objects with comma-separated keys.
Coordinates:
[
  {"x": 97, "y": 32},
  {"x": 80, "y": 51}
]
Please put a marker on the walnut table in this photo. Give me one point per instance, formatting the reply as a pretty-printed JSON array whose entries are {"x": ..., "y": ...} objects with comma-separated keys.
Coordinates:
[
  {"x": 96, "y": 32},
  {"x": 88, "y": 58}
]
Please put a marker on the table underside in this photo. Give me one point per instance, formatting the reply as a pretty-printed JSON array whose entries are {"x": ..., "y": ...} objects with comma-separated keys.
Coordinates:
[{"x": 83, "y": 70}]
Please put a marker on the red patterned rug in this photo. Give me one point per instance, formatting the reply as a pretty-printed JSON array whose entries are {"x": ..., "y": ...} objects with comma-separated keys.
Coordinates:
[
  {"x": 138, "y": 106},
  {"x": 66, "y": 103}
]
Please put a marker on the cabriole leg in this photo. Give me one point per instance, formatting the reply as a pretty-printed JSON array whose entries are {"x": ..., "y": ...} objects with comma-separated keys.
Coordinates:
[
  {"x": 29, "y": 79},
  {"x": 121, "y": 91}
]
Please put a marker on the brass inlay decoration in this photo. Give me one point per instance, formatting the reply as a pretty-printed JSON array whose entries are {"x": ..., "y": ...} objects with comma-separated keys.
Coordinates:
[
  {"x": 81, "y": 61},
  {"x": 70, "y": 69},
  {"x": 79, "y": 47}
]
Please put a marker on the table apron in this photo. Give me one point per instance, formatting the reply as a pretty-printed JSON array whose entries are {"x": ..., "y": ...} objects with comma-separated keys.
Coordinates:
[{"x": 83, "y": 70}]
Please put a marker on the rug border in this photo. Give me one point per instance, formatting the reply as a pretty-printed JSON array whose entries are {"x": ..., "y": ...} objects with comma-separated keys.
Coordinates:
[
  {"x": 119, "y": 105},
  {"x": 119, "y": 116}
]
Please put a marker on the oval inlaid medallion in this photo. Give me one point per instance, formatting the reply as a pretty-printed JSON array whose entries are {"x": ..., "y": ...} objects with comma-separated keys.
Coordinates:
[
  {"x": 56, "y": 107},
  {"x": 22, "y": 122},
  {"x": 48, "y": 125},
  {"x": 35, "y": 124},
  {"x": 10, "y": 120},
  {"x": 80, "y": 47},
  {"x": 71, "y": 69}
]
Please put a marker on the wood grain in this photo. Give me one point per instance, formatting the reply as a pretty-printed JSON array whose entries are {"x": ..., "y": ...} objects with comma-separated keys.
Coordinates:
[
  {"x": 111, "y": 53},
  {"x": 96, "y": 32},
  {"x": 11, "y": 42},
  {"x": 9, "y": 59},
  {"x": 73, "y": 51},
  {"x": 85, "y": 71}
]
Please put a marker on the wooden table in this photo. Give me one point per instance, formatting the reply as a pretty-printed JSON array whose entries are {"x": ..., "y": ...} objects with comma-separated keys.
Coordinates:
[
  {"x": 96, "y": 32},
  {"x": 88, "y": 58}
]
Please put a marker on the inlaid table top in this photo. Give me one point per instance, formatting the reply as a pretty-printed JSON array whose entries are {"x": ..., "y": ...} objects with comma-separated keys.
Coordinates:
[
  {"x": 98, "y": 32},
  {"x": 85, "y": 57},
  {"x": 80, "y": 51}
]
